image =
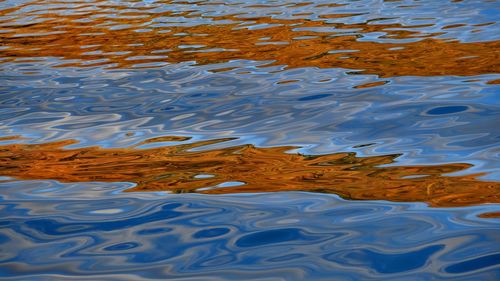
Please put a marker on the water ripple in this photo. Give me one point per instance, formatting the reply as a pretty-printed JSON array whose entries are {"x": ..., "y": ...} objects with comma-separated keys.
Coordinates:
[
  {"x": 389, "y": 38},
  {"x": 434, "y": 120},
  {"x": 399, "y": 98},
  {"x": 294, "y": 236}
]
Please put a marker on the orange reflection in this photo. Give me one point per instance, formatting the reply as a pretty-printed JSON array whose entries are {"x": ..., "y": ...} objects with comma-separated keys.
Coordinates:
[
  {"x": 130, "y": 37},
  {"x": 177, "y": 169},
  {"x": 490, "y": 215}
]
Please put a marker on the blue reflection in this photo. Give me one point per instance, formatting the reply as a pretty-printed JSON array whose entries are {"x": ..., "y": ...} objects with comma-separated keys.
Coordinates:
[
  {"x": 475, "y": 264},
  {"x": 94, "y": 231},
  {"x": 69, "y": 232},
  {"x": 386, "y": 262},
  {"x": 264, "y": 238},
  {"x": 447, "y": 110}
]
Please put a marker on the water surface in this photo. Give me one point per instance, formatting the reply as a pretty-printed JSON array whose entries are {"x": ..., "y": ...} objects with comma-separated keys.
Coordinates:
[
  {"x": 367, "y": 100},
  {"x": 90, "y": 231}
]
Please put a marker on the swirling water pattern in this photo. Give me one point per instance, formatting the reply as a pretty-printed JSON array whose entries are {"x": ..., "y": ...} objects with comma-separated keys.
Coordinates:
[
  {"x": 400, "y": 76},
  {"x": 93, "y": 231},
  {"x": 417, "y": 81},
  {"x": 429, "y": 120}
]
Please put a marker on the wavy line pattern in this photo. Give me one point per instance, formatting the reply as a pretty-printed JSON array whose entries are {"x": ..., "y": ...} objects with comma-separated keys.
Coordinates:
[
  {"x": 245, "y": 168},
  {"x": 93, "y": 231},
  {"x": 437, "y": 120},
  {"x": 387, "y": 38},
  {"x": 393, "y": 100}
]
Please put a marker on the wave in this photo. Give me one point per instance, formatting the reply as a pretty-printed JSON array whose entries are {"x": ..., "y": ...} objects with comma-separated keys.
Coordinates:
[{"x": 90, "y": 231}]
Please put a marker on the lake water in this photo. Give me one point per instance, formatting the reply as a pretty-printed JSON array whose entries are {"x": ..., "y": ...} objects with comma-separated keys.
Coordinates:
[{"x": 249, "y": 140}]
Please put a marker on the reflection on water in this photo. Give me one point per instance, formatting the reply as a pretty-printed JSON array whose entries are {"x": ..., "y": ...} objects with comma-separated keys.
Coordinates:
[
  {"x": 429, "y": 120},
  {"x": 387, "y": 100},
  {"x": 247, "y": 169},
  {"x": 371, "y": 37},
  {"x": 94, "y": 232}
]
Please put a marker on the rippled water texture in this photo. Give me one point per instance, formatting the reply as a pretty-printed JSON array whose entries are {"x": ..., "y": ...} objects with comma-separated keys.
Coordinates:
[
  {"x": 367, "y": 100},
  {"x": 91, "y": 231},
  {"x": 247, "y": 168}
]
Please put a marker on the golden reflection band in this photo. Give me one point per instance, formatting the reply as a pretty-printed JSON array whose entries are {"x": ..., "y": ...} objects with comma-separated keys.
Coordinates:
[
  {"x": 176, "y": 169},
  {"x": 138, "y": 36}
]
